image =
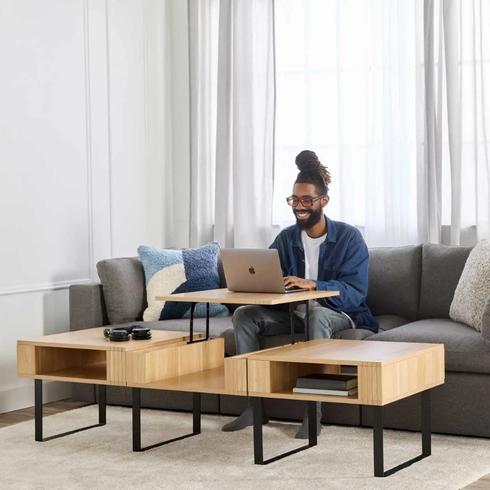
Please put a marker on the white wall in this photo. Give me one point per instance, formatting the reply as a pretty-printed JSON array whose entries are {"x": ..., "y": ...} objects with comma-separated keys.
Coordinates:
[{"x": 85, "y": 131}]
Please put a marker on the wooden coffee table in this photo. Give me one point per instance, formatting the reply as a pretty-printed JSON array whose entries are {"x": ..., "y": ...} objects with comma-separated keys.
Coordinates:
[
  {"x": 177, "y": 361},
  {"x": 386, "y": 371},
  {"x": 86, "y": 356}
]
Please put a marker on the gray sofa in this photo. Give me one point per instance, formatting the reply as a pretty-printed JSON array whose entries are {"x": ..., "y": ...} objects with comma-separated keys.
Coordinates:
[{"x": 410, "y": 292}]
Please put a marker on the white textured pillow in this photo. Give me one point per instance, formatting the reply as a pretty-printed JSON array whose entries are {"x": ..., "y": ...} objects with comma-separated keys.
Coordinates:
[{"x": 472, "y": 294}]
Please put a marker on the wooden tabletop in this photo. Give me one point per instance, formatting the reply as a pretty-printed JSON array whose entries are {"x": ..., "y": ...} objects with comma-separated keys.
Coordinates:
[
  {"x": 225, "y": 296},
  {"x": 93, "y": 338},
  {"x": 344, "y": 352}
]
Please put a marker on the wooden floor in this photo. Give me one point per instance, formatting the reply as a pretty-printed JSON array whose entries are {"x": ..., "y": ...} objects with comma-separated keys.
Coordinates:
[{"x": 11, "y": 418}]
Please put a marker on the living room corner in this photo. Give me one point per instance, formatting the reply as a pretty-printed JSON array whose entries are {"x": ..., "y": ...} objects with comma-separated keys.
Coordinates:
[{"x": 268, "y": 215}]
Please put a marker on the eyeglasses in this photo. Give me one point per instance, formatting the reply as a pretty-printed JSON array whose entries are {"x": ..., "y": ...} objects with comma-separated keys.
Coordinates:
[{"x": 306, "y": 202}]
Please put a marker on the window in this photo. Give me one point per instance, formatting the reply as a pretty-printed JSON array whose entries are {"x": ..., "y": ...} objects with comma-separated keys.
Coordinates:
[{"x": 345, "y": 76}]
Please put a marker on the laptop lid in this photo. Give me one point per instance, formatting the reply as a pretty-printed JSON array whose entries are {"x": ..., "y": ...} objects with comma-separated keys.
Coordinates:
[{"x": 252, "y": 270}]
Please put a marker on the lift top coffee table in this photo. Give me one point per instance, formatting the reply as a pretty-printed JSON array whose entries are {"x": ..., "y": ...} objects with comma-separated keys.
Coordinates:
[{"x": 386, "y": 371}]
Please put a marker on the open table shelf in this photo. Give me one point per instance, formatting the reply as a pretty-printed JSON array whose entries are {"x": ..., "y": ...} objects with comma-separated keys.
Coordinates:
[{"x": 92, "y": 374}]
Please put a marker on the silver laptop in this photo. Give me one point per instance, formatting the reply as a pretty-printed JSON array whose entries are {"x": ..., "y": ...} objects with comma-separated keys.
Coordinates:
[{"x": 251, "y": 270}]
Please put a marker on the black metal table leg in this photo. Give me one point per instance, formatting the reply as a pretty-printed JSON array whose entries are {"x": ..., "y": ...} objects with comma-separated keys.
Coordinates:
[
  {"x": 292, "y": 306},
  {"x": 426, "y": 423},
  {"x": 191, "y": 325},
  {"x": 207, "y": 321},
  {"x": 196, "y": 413},
  {"x": 378, "y": 437},
  {"x": 307, "y": 320},
  {"x": 378, "y": 441},
  {"x": 136, "y": 415},
  {"x": 257, "y": 405},
  {"x": 38, "y": 414},
  {"x": 312, "y": 436},
  {"x": 102, "y": 392},
  {"x": 38, "y": 409}
]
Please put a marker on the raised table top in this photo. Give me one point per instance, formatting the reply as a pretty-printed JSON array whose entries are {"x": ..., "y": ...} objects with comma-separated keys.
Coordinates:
[
  {"x": 226, "y": 296},
  {"x": 93, "y": 338}
]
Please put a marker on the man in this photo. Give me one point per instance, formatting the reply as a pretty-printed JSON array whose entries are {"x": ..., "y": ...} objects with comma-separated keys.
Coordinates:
[{"x": 316, "y": 253}]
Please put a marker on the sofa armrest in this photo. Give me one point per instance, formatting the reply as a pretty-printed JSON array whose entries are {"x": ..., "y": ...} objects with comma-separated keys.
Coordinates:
[{"x": 87, "y": 308}]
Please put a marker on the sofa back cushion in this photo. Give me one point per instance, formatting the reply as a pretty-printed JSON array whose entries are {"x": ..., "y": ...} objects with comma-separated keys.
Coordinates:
[
  {"x": 442, "y": 266},
  {"x": 394, "y": 281},
  {"x": 472, "y": 293},
  {"x": 123, "y": 285}
]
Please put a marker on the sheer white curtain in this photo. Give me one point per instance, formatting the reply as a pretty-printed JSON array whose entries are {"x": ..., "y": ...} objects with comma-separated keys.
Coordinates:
[
  {"x": 456, "y": 179},
  {"x": 232, "y": 92},
  {"x": 347, "y": 89},
  {"x": 393, "y": 96}
]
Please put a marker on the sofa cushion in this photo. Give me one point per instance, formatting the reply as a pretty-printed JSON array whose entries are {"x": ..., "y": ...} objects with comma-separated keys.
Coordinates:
[
  {"x": 395, "y": 270},
  {"x": 353, "y": 334},
  {"x": 387, "y": 322},
  {"x": 441, "y": 269},
  {"x": 465, "y": 349},
  {"x": 169, "y": 271},
  {"x": 473, "y": 290},
  {"x": 123, "y": 284}
]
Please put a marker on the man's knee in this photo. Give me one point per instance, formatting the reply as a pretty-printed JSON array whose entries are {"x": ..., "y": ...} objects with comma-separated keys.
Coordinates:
[
  {"x": 325, "y": 322},
  {"x": 243, "y": 316}
]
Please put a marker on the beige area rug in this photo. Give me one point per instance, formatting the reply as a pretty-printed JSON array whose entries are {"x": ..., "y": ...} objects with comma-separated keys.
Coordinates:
[{"x": 102, "y": 457}]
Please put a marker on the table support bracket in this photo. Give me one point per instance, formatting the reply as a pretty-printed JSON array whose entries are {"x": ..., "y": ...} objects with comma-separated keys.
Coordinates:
[
  {"x": 257, "y": 404},
  {"x": 378, "y": 437},
  {"x": 136, "y": 415},
  {"x": 38, "y": 413}
]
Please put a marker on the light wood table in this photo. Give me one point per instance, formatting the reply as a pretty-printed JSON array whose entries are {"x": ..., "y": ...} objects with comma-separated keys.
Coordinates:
[
  {"x": 386, "y": 372},
  {"x": 225, "y": 296},
  {"x": 86, "y": 356}
]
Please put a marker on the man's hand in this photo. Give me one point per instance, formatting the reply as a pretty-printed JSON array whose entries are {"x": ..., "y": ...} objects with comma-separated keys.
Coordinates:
[{"x": 293, "y": 281}]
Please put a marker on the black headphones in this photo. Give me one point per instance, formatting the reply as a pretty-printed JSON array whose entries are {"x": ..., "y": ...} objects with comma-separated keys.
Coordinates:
[{"x": 119, "y": 334}]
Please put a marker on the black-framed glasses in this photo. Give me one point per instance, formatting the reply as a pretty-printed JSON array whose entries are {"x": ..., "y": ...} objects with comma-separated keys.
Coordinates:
[{"x": 306, "y": 202}]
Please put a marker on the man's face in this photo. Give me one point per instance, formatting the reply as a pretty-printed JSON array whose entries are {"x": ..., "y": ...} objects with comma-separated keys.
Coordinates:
[{"x": 308, "y": 215}]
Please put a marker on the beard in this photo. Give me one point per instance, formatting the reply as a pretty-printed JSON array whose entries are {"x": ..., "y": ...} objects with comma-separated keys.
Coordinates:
[{"x": 315, "y": 215}]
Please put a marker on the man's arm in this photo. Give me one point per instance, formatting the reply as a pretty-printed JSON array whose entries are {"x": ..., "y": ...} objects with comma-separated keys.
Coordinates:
[
  {"x": 352, "y": 278},
  {"x": 280, "y": 245}
]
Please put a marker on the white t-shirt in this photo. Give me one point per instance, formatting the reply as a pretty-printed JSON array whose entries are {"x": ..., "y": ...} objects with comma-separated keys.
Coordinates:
[{"x": 312, "y": 253}]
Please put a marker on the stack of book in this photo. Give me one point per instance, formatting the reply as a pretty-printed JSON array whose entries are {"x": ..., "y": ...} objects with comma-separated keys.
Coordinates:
[{"x": 327, "y": 384}]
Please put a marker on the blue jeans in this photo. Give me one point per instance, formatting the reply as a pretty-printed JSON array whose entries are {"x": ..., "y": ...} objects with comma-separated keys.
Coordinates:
[{"x": 251, "y": 322}]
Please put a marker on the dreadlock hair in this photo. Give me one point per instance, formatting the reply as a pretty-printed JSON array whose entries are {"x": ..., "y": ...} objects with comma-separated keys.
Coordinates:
[{"x": 311, "y": 171}]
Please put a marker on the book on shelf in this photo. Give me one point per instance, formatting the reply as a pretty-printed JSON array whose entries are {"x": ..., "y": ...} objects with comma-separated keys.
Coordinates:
[
  {"x": 313, "y": 391},
  {"x": 325, "y": 381}
]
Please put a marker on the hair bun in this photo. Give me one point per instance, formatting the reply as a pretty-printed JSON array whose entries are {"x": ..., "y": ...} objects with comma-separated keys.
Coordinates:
[{"x": 307, "y": 160}]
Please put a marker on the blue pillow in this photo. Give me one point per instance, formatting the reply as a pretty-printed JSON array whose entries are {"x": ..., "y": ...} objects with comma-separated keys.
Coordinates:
[{"x": 179, "y": 271}]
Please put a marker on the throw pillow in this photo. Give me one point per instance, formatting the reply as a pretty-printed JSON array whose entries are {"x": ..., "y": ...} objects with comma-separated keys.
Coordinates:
[
  {"x": 472, "y": 293},
  {"x": 179, "y": 271},
  {"x": 485, "y": 325}
]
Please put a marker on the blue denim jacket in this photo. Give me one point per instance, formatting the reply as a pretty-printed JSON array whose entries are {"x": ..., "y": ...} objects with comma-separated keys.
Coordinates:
[{"x": 342, "y": 266}]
